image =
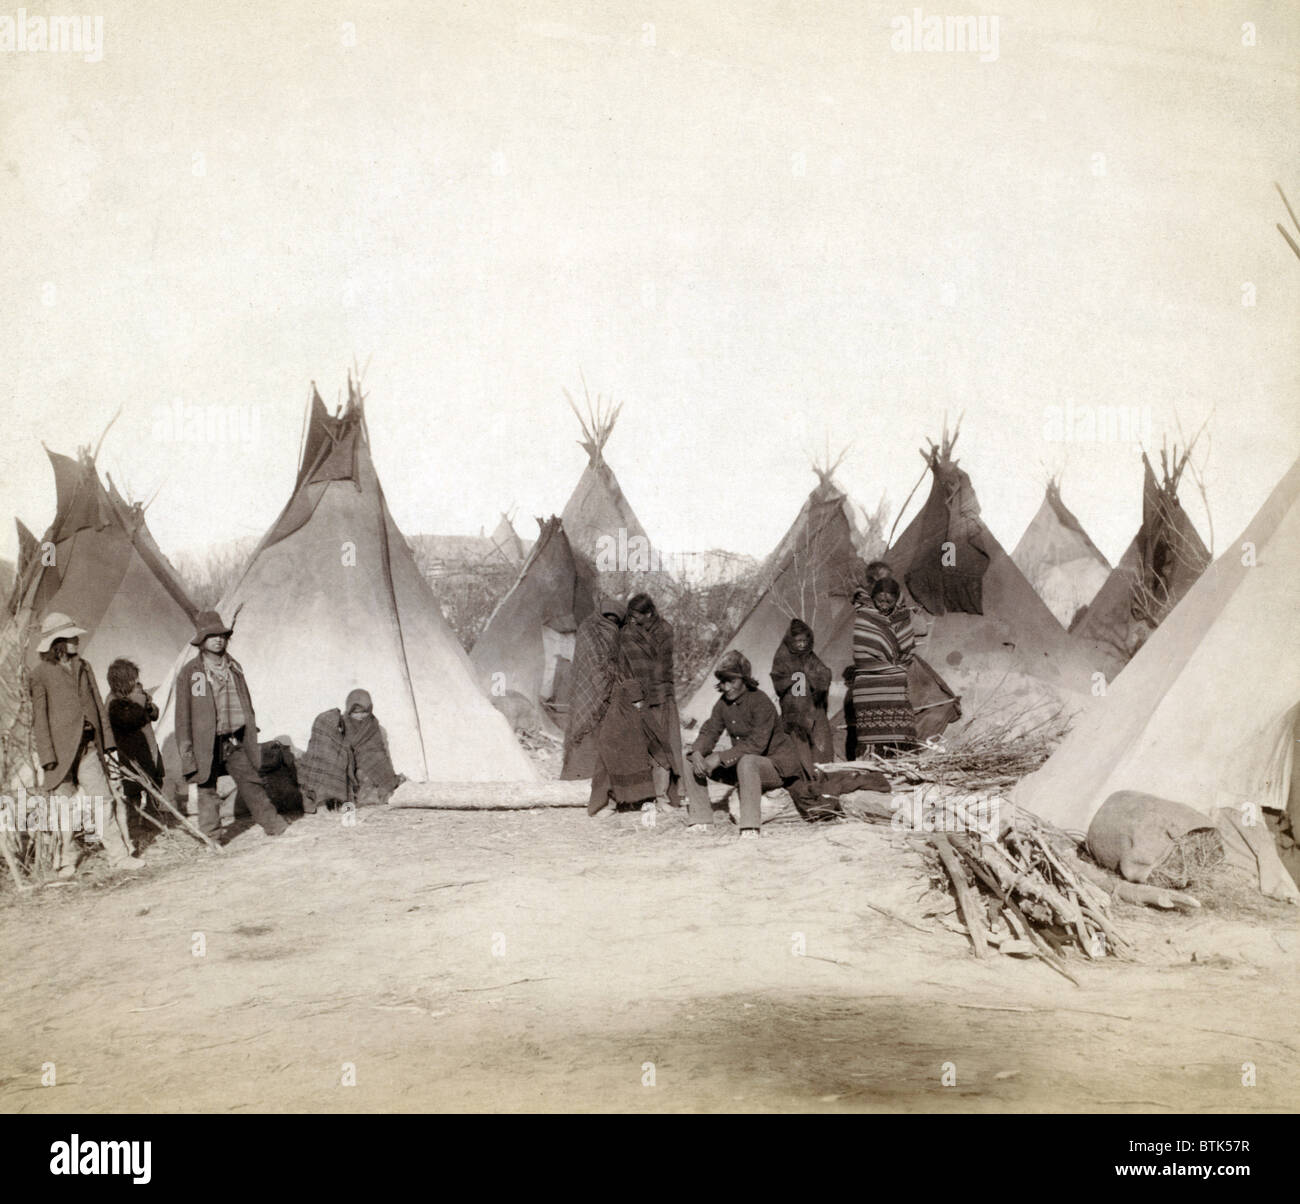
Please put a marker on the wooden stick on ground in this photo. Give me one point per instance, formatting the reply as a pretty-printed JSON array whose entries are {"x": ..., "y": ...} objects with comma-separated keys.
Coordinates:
[
  {"x": 158, "y": 796},
  {"x": 884, "y": 911},
  {"x": 1018, "y": 921},
  {"x": 968, "y": 901}
]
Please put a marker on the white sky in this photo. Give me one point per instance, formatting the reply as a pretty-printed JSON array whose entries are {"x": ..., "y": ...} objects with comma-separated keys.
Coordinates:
[{"x": 747, "y": 232}]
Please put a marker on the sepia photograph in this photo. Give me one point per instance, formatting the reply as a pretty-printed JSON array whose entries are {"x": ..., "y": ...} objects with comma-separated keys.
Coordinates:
[{"x": 650, "y": 558}]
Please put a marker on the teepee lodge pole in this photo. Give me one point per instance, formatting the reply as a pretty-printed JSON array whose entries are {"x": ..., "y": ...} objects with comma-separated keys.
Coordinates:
[{"x": 1281, "y": 229}]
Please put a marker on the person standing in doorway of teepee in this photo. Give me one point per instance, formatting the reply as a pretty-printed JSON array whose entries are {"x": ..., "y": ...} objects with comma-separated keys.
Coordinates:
[
  {"x": 73, "y": 738},
  {"x": 216, "y": 730},
  {"x": 646, "y": 641},
  {"x": 883, "y": 645}
]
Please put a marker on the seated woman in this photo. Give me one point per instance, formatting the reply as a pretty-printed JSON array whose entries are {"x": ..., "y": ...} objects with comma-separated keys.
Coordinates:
[
  {"x": 762, "y": 756},
  {"x": 347, "y": 758},
  {"x": 883, "y": 644},
  {"x": 802, "y": 681}
]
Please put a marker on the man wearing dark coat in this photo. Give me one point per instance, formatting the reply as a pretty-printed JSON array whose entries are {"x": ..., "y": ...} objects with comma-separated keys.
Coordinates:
[
  {"x": 762, "y": 755},
  {"x": 216, "y": 730},
  {"x": 73, "y": 738},
  {"x": 802, "y": 681}
]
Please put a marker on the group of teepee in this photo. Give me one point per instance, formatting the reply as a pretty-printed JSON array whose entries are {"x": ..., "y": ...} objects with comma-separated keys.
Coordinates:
[
  {"x": 1202, "y": 708},
  {"x": 524, "y": 655},
  {"x": 99, "y": 563},
  {"x": 1205, "y": 714},
  {"x": 994, "y": 659}
]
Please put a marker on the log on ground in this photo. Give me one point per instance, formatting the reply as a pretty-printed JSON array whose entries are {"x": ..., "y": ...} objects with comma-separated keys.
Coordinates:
[{"x": 490, "y": 796}]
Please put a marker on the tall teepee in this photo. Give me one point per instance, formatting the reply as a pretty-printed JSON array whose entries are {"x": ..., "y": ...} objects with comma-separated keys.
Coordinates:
[
  {"x": 811, "y": 575},
  {"x": 99, "y": 565},
  {"x": 1059, "y": 560},
  {"x": 989, "y": 633},
  {"x": 598, "y": 519},
  {"x": 525, "y": 652},
  {"x": 1160, "y": 566},
  {"x": 332, "y": 601},
  {"x": 1205, "y": 713}
]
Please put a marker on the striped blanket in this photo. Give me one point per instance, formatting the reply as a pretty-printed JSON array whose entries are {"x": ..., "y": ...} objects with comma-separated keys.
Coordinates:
[{"x": 882, "y": 651}]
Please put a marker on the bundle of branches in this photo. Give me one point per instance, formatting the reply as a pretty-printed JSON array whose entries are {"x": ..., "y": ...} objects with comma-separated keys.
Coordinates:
[
  {"x": 1020, "y": 889},
  {"x": 985, "y": 761},
  {"x": 28, "y": 847}
]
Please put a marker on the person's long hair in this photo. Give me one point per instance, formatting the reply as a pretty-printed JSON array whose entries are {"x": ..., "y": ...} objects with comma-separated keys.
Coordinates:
[{"x": 56, "y": 651}]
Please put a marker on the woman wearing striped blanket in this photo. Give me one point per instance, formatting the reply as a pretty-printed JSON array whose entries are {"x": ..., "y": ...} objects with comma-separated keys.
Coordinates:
[{"x": 883, "y": 643}]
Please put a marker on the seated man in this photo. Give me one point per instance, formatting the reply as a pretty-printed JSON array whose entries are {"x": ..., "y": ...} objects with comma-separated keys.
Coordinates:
[
  {"x": 762, "y": 756},
  {"x": 347, "y": 758}
]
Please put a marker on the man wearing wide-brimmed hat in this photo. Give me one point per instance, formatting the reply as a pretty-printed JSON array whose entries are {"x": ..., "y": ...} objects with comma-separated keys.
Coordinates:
[
  {"x": 216, "y": 730},
  {"x": 72, "y": 740},
  {"x": 762, "y": 755}
]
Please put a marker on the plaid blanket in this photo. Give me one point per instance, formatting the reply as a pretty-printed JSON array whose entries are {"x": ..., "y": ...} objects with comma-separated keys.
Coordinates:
[
  {"x": 647, "y": 654},
  {"x": 324, "y": 771},
  {"x": 371, "y": 764},
  {"x": 595, "y": 670},
  {"x": 341, "y": 757}
]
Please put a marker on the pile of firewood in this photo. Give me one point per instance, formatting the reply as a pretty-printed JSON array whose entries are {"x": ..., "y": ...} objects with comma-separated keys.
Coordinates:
[{"x": 1018, "y": 895}]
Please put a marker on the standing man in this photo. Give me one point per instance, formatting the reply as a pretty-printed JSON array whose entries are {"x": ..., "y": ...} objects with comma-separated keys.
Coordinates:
[
  {"x": 762, "y": 755},
  {"x": 72, "y": 739},
  {"x": 216, "y": 730}
]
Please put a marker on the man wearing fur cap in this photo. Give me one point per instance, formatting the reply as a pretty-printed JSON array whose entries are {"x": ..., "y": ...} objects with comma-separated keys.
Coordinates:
[{"x": 762, "y": 755}]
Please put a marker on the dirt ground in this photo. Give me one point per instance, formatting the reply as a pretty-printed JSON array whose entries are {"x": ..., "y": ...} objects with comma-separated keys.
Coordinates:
[{"x": 513, "y": 961}]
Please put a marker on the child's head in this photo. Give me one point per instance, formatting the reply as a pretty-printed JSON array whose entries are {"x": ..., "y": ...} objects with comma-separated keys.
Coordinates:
[{"x": 122, "y": 676}]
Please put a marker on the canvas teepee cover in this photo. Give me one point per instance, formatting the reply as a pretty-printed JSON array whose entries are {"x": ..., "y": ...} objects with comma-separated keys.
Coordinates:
[
  {"x": 1205, "y": 713},
  {"x": 811, "y": 575},
  {"x": 524, "y": 654},
  {"x": 332, "y": 601},
  {"x": 1161, "y": 564},
  {"x": 507, "y": 547},
  {"x": 989, "y": 634},
  {"x": 598, "y": 520},
  {"x": 108, "y": 575},
  {"x": 1059, "y": 560}
]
